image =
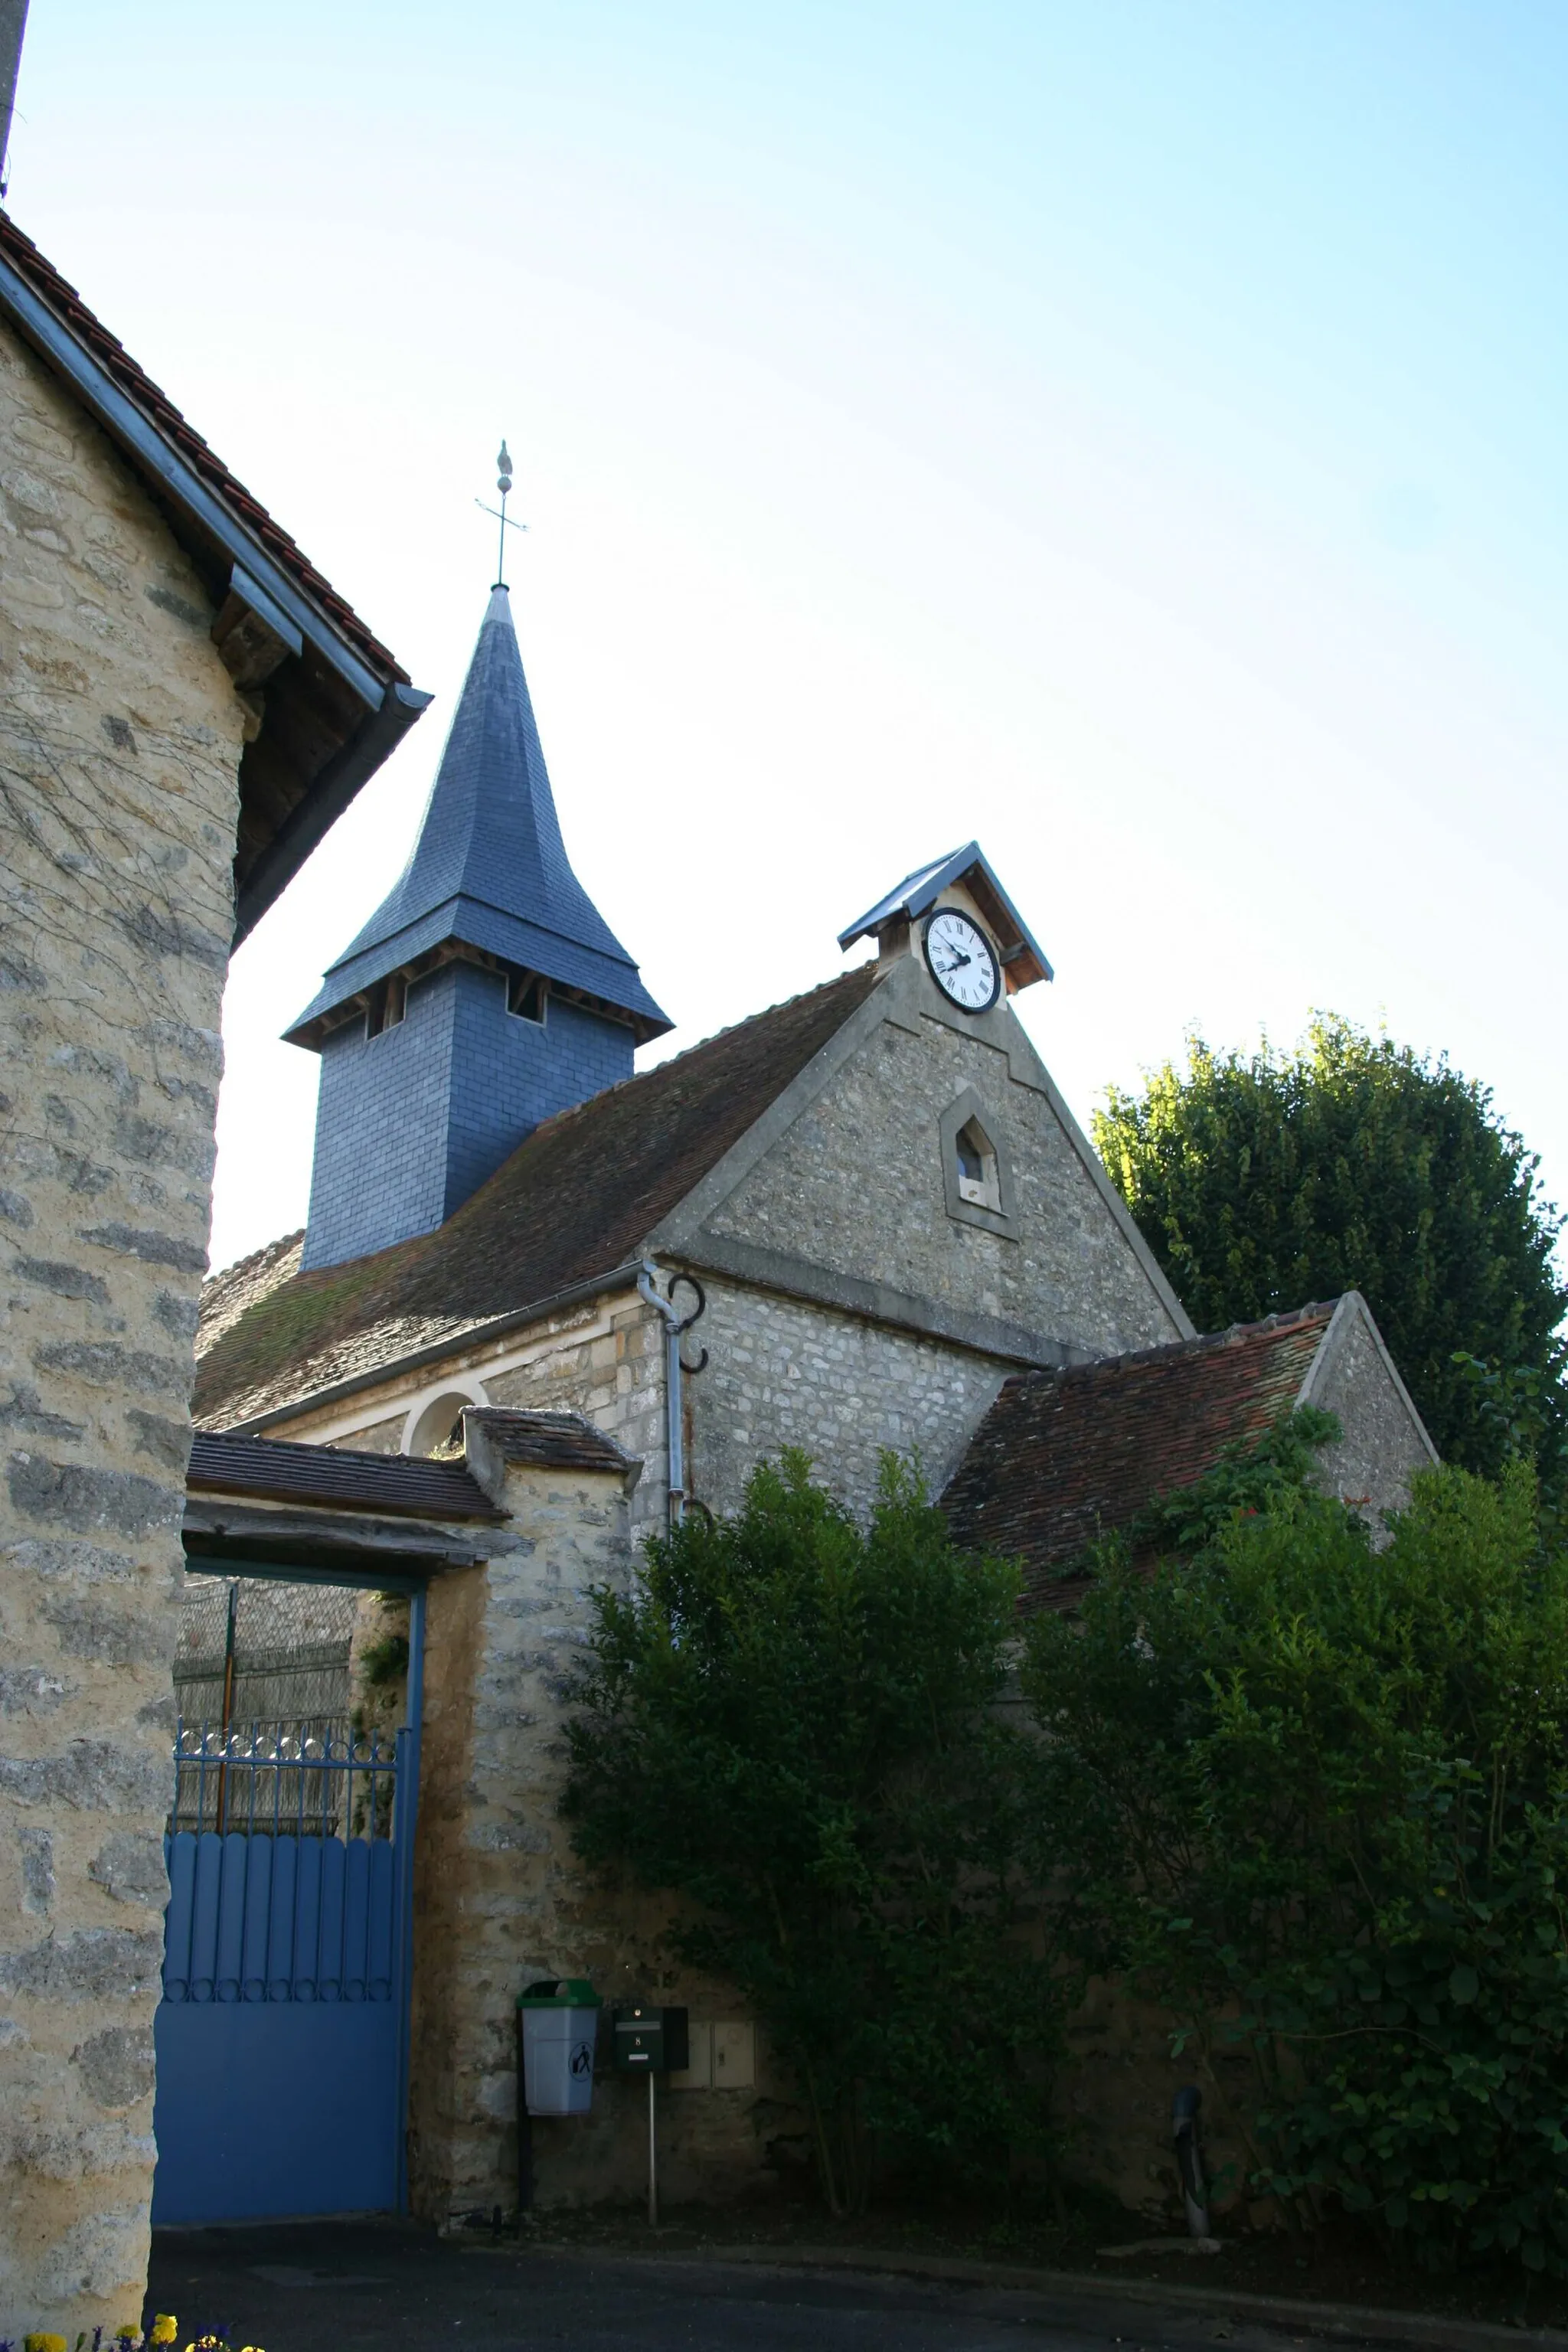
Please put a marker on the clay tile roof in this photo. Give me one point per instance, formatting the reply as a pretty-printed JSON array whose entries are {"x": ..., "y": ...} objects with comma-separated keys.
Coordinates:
[
  {"x": 1065, "y": 1456},
  {"x": 267, "y": 1469},
  {"x": 576, "y": 1203},
  {"x": 557, "y": 1441},
  {"x": 112, "y": 355}
]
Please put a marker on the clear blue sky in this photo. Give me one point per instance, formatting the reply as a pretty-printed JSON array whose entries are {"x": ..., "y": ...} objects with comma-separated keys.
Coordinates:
[{"x": 1133, "y": 433}]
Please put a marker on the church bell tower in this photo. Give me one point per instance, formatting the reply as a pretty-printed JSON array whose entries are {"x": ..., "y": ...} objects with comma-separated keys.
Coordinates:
[{"x": 485, "y": 995}]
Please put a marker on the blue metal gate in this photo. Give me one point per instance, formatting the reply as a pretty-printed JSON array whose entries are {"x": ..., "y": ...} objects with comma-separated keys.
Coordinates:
[{"x": 281, "y": 2036}]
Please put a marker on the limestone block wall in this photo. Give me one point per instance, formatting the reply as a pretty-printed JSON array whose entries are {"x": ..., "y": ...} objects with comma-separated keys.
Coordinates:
[
  {"x": 120, "y": 743},
  {"x": 500, "y": 1900},
  {"x": 616, "y": 1379},
  {"x": 782, "y": 1371}
]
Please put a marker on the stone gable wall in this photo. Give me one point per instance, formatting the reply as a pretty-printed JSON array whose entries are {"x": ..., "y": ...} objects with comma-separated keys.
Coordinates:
[
  {"x": 1382, "y": 1447},
  {"x": 855, "y": 1186},
  {"x": 120, "y": 743}
]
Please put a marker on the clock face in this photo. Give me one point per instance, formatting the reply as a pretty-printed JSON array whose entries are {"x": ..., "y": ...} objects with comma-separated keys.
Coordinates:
[{"x": 962, "y": 962}]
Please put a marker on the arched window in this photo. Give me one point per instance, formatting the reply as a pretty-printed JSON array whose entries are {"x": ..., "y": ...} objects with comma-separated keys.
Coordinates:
[{"x": 436, "y": 1422}]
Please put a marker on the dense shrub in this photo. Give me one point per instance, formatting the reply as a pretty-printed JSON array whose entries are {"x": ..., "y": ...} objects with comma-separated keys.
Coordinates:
[
  {"x": 790, "y": 1724},
  {"x": 1313, "y": 1796}
]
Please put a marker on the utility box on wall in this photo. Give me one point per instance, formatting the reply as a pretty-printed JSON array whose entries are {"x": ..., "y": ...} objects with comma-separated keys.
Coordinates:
[
  {"x": 723, "y": 2056},
  {"x": 647, "y": 2041},
  {"x": 734, "y": 2057}
]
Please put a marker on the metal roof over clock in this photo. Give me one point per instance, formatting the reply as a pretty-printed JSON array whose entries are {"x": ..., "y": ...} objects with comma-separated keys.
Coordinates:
[{"x": 1021, "y": 958}]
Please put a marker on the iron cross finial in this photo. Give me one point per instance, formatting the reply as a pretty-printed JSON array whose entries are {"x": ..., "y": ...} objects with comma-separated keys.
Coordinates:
[{"x": 503, "y": 484}]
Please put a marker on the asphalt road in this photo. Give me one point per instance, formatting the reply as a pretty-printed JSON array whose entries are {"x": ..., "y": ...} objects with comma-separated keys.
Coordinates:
[{"x": 326, "y": 2286}]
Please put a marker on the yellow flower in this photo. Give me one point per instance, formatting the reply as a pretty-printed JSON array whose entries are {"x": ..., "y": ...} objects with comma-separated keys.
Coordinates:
[
  {"x": 165, "y": 2327},
  {"x": 44, "y": 2344}
]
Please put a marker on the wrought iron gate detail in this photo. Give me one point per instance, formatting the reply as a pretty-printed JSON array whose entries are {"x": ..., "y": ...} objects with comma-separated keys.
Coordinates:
[
  {"x": 281, "y": 2033},
  {"x": 290, "y": 1894}
]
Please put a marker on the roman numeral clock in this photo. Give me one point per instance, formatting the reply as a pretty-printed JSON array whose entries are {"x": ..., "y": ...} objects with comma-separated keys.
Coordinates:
[{"x": 962, "y": 960}]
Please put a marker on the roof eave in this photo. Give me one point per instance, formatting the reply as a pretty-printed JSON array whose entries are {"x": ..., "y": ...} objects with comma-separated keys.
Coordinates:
[
  {"x": 236, "y": 564},
  {"x": 334, "y": 1004}
]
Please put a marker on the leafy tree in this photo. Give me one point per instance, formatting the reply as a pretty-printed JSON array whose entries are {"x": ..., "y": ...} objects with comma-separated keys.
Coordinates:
[
  {"x": 1264, "y": 1181},
  {"x": 1313, "y": 1796},
  {"x": 790, "y": 1723}
]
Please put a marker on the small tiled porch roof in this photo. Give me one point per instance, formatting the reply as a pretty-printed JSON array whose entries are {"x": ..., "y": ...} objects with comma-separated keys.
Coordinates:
[
  {"x": 1064, "y": 1458},
  {"x": 264, "y": 1469}
]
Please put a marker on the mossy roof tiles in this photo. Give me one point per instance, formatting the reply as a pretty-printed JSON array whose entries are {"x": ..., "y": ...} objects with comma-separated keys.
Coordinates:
[
  {"x": 575, "y": 1202},
  {"x": 1063, "y": 1457}
]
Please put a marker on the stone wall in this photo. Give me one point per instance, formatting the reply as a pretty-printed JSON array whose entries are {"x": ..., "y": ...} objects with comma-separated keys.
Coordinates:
[
  {"x": 780, "y": 1371},
  {"x": 119, "y": 741},
  {"x": 501, "y": 1901},
  {"x": 616, "y": 1379},
  {"x": 605, "y": 1360},
  {"x": 856, "y": 1185}
]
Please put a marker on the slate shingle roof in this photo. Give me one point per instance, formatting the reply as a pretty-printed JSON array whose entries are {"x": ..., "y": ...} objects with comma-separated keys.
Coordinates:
[
  {"x": 490, "y": 868},
  {"x": 1065, "y": 1456},
  {"x": 333, "y": 1476},
  {"x": 576, "y": 1200}
]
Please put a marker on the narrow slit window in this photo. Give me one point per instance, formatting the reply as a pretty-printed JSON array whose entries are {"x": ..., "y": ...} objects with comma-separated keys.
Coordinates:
[{"x": 978, "y": 1180}]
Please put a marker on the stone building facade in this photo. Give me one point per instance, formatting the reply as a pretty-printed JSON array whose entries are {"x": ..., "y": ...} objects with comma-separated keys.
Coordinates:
[
  {"x": 791, "y": 1194},
  {"x": 124, "y": 736},
  {"x": 120, "y": 758}
]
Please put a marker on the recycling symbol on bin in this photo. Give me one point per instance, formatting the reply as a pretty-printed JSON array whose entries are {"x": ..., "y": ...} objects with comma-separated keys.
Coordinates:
[{"x": 582, "y": 2058}]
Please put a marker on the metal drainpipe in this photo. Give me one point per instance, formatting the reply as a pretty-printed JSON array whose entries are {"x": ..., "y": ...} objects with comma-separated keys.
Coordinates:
[{"x": 675, "y": 1324}]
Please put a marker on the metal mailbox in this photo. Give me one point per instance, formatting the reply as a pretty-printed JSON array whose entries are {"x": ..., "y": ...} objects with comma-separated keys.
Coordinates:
[{"x": 647, "y": 2041}]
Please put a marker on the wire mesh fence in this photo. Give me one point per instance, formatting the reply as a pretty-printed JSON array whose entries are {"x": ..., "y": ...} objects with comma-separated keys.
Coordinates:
[
  {"x": 278, "y": 1651},
  {"x": 267, "y": 1742}
]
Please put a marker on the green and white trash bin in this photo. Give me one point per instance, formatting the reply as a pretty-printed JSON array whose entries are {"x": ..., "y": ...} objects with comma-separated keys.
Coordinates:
[{"x": 559, "y": 2019}]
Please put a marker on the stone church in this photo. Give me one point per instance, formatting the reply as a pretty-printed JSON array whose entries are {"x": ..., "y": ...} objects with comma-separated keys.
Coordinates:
[{"x": 544, "y": 1304}]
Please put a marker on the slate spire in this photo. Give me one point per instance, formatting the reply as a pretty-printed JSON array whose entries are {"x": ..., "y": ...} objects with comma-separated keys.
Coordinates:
[
  {"x": 489, "y": 867},
  {"x": 486, "y": 993}
]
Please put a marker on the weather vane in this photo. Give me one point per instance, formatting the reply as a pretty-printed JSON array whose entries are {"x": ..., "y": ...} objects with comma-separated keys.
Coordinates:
[{"x": 503, "y": 484}]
